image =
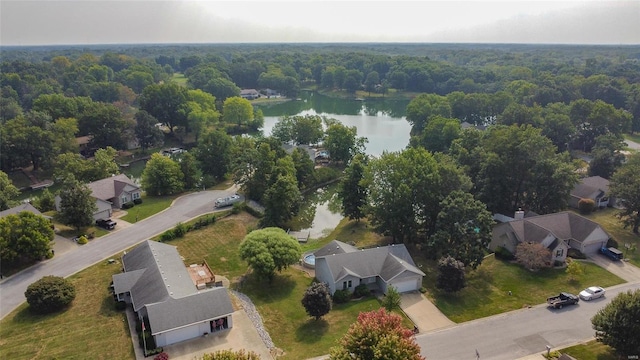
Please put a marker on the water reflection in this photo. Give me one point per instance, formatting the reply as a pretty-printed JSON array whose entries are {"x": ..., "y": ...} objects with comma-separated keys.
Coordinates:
[{"x": 320, "y": 212}]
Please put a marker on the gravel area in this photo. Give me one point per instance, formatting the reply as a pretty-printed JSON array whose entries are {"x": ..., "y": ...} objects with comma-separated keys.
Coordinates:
[{"x": 255, "y": 318}]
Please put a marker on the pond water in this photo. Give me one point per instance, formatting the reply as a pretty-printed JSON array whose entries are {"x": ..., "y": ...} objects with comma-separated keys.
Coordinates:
[{"x": 381, "y": 121}]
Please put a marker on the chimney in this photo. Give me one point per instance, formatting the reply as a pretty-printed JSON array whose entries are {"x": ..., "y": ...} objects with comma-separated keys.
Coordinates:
[{"x": 519, "y": 214}]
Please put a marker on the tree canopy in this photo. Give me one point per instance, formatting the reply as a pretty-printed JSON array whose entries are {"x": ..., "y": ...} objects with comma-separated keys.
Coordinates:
[
  {"x": 25, "y": 236},
  {"x": 50, "y": 294},
  {"x": 269, "y": 250},
  {"x": 317, "y": 300},
  {"x": 162, "y": 176},
  {"x": 618, "y": 323},
  {"x": 625, "y": 186},
  {"x": 77, "y": 205}
]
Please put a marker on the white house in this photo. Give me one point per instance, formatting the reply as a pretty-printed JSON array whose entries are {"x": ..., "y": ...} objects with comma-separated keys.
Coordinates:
[
  {"x": 160, "y": 289},
  {"x": 343, "y": 267}
]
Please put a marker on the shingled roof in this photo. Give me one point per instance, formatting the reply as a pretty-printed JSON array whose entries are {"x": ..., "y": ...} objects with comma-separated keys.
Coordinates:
[
  {"x": 110, "y": 187},
  {"x": 20, "y": 208},
  {"x": 387, "y": 262},
  {"x": 587, "y": 186},
  {"x": 564, "y": 225}
]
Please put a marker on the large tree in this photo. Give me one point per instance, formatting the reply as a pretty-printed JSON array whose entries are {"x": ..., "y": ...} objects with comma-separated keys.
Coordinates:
[
  {"x": 162, "y": 176},
  {"x": 305, "y": 167},
  {"x": 25, "y": 236},
  {"x": 147, "y": 133},
  {"x": 214, "y": 153},
  {"x": 607, "y": 155},
  {"x": 282, "y": 199},
  {"x": 317, "y": 300},
  {"x": 50, "y": 294},
  {"x": 423, "y": 108},
  {"x": 618, "y": 323},
  {"x": 377, "y": 335},
  {"x": 105, "y": 124},
  {"x": 237, "y": 110},
  {"x": 343, "y": 142},
  {"x": 352, "y": 190},
  {"x": 451, "y": 275},
  {"x": 625, "y": 186},
  {"x": 269, "y": 250},
  {"x": 7, "y": 191},
  {"x": 166, "y": 103},
  {"x": 27, "y": 141},
  {"x": 463, "y": 229},
  {"x": 77, "y": 205}
]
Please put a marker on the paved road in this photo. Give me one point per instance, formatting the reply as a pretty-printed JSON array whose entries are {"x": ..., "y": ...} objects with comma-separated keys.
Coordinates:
[
  {"x": 633, "y": 145},
  {"x": 518, "y": 333},
  {"x": 183, "y": 209}
]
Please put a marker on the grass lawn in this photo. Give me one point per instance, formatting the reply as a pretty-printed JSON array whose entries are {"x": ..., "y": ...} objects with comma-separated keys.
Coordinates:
[
  {"x": 90, "y": 328},
  {"x": 179, "y": 79},
  {"x": 593, "y": 350},
  {"x": 634, "y": 137},
  {"x": 488, "y": 286},
  {"x": 151, "y": 205},
  {"x": 608, "y": 220}
]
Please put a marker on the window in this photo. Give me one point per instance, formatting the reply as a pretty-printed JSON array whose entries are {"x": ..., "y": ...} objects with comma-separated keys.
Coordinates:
[
  {"x": 344, "y": 285},
  {"x": 559, "y": 252},
  {"x": 123, "y": 200},
  {"x": 349, "y": 283},
  {"x": 135, "y": 196}
]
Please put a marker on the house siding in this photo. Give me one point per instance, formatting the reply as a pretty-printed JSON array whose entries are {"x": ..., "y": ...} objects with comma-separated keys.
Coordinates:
[{"x": 323, "y": 274}]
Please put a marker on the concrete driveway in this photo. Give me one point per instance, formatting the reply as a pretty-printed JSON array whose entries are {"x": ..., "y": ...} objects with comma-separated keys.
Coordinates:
[
  {"x": 423, "y": 313},
  {"x": 623, "y": 269}
]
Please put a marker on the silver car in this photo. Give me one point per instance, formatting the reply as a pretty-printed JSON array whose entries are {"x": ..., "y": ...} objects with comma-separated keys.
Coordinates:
[{"x": 592, "y": 292}]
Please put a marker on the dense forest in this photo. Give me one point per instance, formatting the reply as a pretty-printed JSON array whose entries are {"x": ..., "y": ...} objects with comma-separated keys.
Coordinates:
[{"x": 542, "y": 100}]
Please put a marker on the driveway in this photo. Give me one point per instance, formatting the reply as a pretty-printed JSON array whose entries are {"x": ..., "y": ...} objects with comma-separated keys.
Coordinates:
[
  {"x": 623, "y": 269},
  {"x": 68, "y": 263},
  {"x": 423, "y": 313}
]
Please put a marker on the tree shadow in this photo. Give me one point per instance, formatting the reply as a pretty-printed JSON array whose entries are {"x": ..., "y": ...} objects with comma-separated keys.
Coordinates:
[
  {"x": 312, "y": 331},
  {"x": 278, "y": 289}
]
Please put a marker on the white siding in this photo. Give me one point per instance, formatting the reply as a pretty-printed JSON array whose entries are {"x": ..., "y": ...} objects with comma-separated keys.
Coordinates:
[
  {"x": 182, "y": 334},
  {"x": 324, "y": 275},
  {"x": 406, "y": 285}
]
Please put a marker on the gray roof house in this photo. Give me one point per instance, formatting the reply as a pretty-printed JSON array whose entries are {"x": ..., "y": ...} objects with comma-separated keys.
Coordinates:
[
  {"x": 595, "y": 188},
  {"x": 160, "y": 289},
  {"x": 343, "y": 267},
  {"x": 249, "y": 94},
  {"x": 557, "y": 232},
  {"x": 20, "y": 208}
]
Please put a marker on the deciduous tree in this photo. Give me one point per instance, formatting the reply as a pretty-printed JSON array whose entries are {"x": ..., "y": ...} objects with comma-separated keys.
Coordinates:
[
  {"x": 147, "y": 133},
  {"x": 625, "y": 186},
  {"x": 25, "y": 236},
  {"x": 377, "y": 335},
  {"x": 391, "y": 300},
  {"x": 451, "y": 275},
  {"x": 162, "y": 176},
  {"x": 352, "y": 190},
  {"x": 533, "y": 256},
  {"x": 343, "y": 142},
  {"x": 7, "y": 191},
  {"x": 77, "y": 205},
  {"x": 269, "y": 250},
  {"x": 50, "y": 294},
  {"x": 214, "y": 153},
  {"x": 317, "y": 300},
  {"x": 618, "y": 323},
  {"x": 237, "y": 110}
]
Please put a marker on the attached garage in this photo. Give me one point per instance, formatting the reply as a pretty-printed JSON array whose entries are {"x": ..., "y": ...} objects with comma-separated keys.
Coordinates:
[
  {"x": 177, "y": 335},
  {"x": 593, "y": 248},
  {"x": 406, "y": 283}
]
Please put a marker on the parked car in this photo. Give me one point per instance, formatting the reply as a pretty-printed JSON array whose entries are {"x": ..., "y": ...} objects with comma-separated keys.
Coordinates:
[
  {"x": 612, "y": 253},
  {"x": 592, "y": 292},
  {"x": 562, "y": 299},
  {"x": 227, "y": 201},
  {"x": 106, "y": 224}
]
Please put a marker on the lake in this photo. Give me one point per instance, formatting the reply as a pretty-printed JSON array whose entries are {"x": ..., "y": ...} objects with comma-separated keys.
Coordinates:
[{"x": 381, "y": 121}]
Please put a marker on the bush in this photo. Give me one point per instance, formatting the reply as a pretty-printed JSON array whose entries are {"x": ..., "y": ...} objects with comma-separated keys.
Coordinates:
[
  {"x": 137, "y": 201},
  {"x": 83, "y": 240},
  {"x": 120, "y": 305},
  {"x": 341, "y": 296},
  {"x": 325, "y": 174},
  {"x": 180, "y": 229},
  {"x": 503, "y": 253},
  {"x": 128, "y": 205},
  {"x": 575, "y": 254},
  {"x": 50, "y": 294},
  {"x": 361, "y": 290},
  {"x": 167, "y": 235},
  {"x": 162, "y": 356},
  {"x": 586, "y": 206}
]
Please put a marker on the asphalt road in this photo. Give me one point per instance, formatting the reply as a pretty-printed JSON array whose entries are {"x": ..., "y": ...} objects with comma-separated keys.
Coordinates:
[
  {"x": 518, "y": 333},
  {"x": 183, "y": 209}
]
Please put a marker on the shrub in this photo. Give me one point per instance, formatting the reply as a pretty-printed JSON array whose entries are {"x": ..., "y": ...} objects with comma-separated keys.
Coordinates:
[
  {"x": 128, "y": 205},
  {"x": 575, "y": 254},
  {"x": 180, "y": 229},
  {"x": 162, "y": 356},
  {"x": 50, "y": 294},
  {"x": 503, "y": 253},
  {"x": 83, "y": 240},
  {"x": 137, "y": 201},
  {"x": 341, "y": 296},
  {"x": 120, "y": 305},
  {"x": 237, "y": 208},
  {"x": 167, "y": 235},
  {"x": 361, "y": 290},
  {"x": 586, "y": 206},
  {"x": 391, "y": 300},
  {"x": 533, "y": 256}
]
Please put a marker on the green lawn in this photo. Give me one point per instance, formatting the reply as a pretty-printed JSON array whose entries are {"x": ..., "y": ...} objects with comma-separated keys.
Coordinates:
[
  {"x": 634, "y": 137},
  {"x": 90, "y": 328},
  {"x": 593, "y": 350},
  {"x": 151, "y": 205},
  {"x": 179, "y": 79},
  {"x": 488, "y": 287},
  {"x": 608, "y": 220}
]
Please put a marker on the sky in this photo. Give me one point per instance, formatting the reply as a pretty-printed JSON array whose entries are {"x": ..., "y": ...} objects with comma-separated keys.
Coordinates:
[{"x": 57, "y": 22}]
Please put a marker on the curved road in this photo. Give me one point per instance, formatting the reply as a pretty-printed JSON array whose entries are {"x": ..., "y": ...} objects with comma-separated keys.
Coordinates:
[
  {"x": 517, "y": 334},
  {"x": 183, "y": 209}
]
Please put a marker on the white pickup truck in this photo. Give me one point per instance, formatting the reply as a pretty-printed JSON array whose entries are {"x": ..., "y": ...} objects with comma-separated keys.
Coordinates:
[{"x": 227, "y": 201}]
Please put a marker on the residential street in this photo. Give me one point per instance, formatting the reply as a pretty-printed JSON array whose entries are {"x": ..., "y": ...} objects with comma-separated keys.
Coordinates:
[
  {"x": 518, "y": 333},
  {"x": 183, "y": 209}
]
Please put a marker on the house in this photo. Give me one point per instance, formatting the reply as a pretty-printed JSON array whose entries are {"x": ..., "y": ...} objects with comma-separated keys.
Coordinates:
[
  {"x": 111, "y": 192},
  {"x": 467, "y": 125},
  {"x": 557, "y": 232},
  {"x": 20, "y": 208},
  {"x": 343, "y": 267},
  {"x": 595, "y": 188},
  {"x": 290, "y": 148},
  {"x": 175, "y": 305},
  {"x": 271, "y": 93},
  {"x": 249, "y": 94}
]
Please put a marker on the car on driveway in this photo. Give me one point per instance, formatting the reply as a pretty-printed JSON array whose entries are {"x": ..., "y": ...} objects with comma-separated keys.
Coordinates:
[
  {"x": 106, "y": 224},
  {"x": 592, "y": 292}
]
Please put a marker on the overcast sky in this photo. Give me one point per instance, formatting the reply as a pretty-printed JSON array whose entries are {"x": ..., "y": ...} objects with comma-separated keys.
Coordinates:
[{"x": 52, "y": 22}]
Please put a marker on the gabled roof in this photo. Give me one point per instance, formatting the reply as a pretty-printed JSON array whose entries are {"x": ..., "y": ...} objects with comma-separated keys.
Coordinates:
[
  {"x": 248, "y": 92},
  {"x": 20, "y": 208},
  {"x": 111, "y": 187},
  {"x": 564, "y": 225},
  {"x": 157, "y": 279},
  {"x": 387, "y": 262},
  {"x": 590, "y": 185},
  {"x": 174, "y": 313}
]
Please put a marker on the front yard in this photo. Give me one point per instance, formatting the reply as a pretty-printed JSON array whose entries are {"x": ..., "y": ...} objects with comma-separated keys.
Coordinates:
[{"x": 608, "y": 220}]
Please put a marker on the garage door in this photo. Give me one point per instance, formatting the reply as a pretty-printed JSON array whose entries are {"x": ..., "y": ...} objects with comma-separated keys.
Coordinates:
[
  {"x": 104, "y": 214},
  {"x": 590, "y": 249},
  {"x": 406, "y": 285},
  {"x": 183, "y": 334}
]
